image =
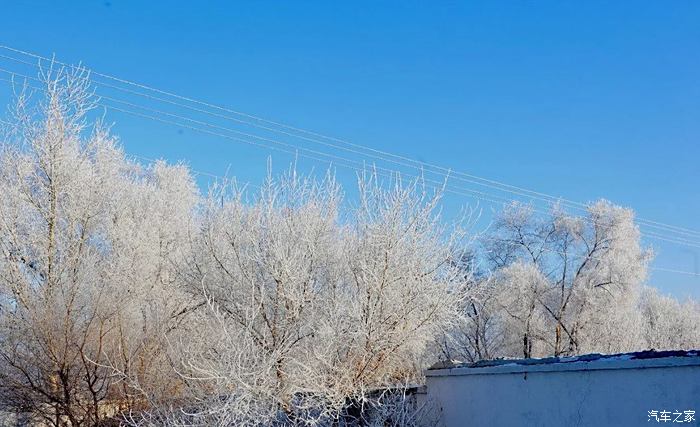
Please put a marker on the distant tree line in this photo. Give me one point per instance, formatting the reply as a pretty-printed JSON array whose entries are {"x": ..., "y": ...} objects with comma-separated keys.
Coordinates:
[{"x": 562, "y": 285}]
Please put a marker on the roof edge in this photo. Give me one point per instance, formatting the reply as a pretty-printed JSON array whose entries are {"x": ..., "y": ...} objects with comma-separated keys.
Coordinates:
[{"x": 635, "y": 360}]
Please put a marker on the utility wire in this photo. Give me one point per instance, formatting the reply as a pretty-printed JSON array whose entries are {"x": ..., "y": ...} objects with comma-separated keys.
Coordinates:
[
  {"x": 484, "y": 195},
  {"x": 354, "y": 151},
  {"x": 220, "y": 177},
  {"x": 423, "y": 166},
  {"x": 354, "y": 165},
  {"x": 671, "y": 270},
  {"x": 331, "y": 159}
]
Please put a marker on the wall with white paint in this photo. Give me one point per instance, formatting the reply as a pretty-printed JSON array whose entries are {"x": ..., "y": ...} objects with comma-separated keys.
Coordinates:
[{"x": 608, "y": 391}]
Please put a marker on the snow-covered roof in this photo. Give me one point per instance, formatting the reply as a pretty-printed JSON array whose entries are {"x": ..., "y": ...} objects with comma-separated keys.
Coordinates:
[{"x": 634, "y": 360}]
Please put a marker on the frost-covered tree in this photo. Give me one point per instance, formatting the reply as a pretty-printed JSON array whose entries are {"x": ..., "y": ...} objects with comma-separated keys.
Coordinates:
[
  {"x": 403, "y": 283},
  {"x": 667, "y": 323},
  {"x": 81, "y": 228},
  {"x": 307, "y": 306},
  {"x": 262, "y": 271},
  {"x": 147, "y": 237},
  {"x": 521, "y": 289},
  {"x": 568, "y": 284},
  {"x": 124, "y": 292},
  {"x": 479, "y": 332}
]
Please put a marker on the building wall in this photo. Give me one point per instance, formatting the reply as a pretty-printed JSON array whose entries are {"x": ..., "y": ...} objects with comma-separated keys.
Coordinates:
[{"x": 601, "y": 393}]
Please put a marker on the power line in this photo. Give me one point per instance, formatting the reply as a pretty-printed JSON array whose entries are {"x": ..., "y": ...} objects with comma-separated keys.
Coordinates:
[
  {"x": 220, "y": 177},
  {"x": 670, "y": 270},
  {"x": 337, "y": 160},
  {"x": 423, "y": 166},
  {"x": 455, "y": 174},
  {"x": 484, "y": 196},
  {"x": 340, "y": 161},
  {"x": 493, "y": 186},
  {"x": 359, "y": 167}
]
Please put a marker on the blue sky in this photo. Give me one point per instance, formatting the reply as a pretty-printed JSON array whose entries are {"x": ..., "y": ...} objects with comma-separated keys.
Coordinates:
[{"x": 576, "y": 99}]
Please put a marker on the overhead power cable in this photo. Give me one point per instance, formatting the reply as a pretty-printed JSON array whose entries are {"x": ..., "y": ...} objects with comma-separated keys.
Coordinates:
[
  {"x": 331, "y": 160},
  {"x": 267, "y": 128},
  {"x": 340, "y": 161},
  {"x": 220, "y": 177},
  {"x": 314, "y": 137}
]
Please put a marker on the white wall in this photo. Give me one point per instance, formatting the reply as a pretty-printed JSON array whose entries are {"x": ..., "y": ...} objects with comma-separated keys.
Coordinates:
[{"x": 613, "y": 392}]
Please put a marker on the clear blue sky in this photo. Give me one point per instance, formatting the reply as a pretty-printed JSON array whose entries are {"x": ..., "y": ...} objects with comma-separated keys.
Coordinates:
[{"x": 577, "y": 99}]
